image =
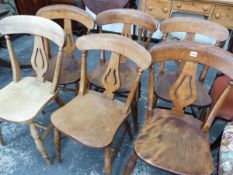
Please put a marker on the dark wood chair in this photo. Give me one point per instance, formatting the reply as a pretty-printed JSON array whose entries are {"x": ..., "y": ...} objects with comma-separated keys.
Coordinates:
[
  {"x": 93, "y": 118},
  {"x": 171, "y": 140},
  {"x": 192, "y": 27},
  {"x": 71, "y": 66},
  {"x": 22, "y": 100},
  {"x": 128, "y": 70}
]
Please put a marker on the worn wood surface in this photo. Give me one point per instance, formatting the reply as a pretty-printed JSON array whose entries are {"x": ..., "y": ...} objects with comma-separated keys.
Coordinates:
[
  {"x": 94, "y": 126},
  {"x": 70, "y": 72},
  {"x": 175, "y": 143}
]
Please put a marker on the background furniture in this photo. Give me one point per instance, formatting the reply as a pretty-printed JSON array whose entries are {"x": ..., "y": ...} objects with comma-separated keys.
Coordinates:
[
  {"x": 23, "y": 99},
  {"x": 170, "y": 139},
  {"x": 71, "y": 66},
  {"x": 96, "y": 125},
  {"x": 220, "y": 11}
]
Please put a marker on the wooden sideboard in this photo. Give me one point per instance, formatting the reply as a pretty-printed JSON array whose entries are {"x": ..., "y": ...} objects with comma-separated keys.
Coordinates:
[{"x": 220, "y": 11}]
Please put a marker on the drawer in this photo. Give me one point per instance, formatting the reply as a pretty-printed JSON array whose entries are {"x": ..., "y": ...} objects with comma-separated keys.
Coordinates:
[
  {"x": 159, "y": 9},
  {"x": 223, "y": 15},
  {"x": 197, "y": 7}
]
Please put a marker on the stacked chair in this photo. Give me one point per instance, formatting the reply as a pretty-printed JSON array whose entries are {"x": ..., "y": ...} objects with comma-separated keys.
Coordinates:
[{"x": 170, "y": 139}]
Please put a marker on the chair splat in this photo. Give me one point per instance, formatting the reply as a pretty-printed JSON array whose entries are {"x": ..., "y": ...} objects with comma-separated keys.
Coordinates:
[
  {"x": 70, "y": 44},
  {"x": 39, "y": 58}
]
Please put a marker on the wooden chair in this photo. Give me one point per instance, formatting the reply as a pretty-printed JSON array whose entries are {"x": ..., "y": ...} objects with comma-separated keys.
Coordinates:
[
  {"x": 70, "y": 65},
  {"x": 191, "y": 26},
  {"x": 128, "y": 71},
  {"x": 93, "y": 118},
  {"x": 22, "y": 100},
  {"x": 170, "y": 139}
]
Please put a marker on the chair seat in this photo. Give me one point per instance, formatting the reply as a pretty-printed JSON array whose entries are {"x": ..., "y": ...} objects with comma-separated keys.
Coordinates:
[
  {"x": 70, "y": 72},
  {"x": 128, "y": 73},
  {"x": 175, "y": 142},
  {"x": 167, "y": 80},
  {"x": 91, "y": 119},
  {"x": 22, "y": 101}
]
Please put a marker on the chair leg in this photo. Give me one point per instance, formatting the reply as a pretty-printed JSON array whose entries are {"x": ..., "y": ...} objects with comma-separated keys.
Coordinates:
[
  {"x": 57, "y": 139},
  {"x": 59, "y": 101},
  {"x": 203, "y": 113},
  {"x": 1, "y": 140},
  {"x": 39, "y": 143},
  {"x": 108, "y": 165},
  {"x": 131, "y": 164},
  {"x": 127, "y": 126},
  {"x": 134, "y": 111}
]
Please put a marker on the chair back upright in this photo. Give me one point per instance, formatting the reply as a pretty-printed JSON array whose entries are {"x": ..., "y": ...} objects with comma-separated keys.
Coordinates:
[
  {"x": 192, "y": 27},
  {"x": 183, "y": 92},
  {"x": 67, "y": 13},
  {"x": 118, "y": 45},
  {"x": 129, "y": 18},
  {"x": 40, "y": 28}
]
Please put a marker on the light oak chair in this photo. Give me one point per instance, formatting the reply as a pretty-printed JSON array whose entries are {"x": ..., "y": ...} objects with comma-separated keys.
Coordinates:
[
  {"x": 22, "y": 100},
  {"x": 71, "y": 66},
  {"x": 192, "y": 27},
  {"x": 93, "y": 118},
  {"x": 128, "y": 71},
  {"x": 171, "y": 140}
]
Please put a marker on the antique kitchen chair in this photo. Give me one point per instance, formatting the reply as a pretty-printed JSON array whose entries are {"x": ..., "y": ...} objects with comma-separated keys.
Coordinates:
[
  {"x": 170, "y": 139},
  {"x": 93, "y": 118},
  {"x": 192, "y": 27},
  {"x": 22, "y": 100},
  {"x": 70, "y": 72},
  {"x": 128, "y": 71}
]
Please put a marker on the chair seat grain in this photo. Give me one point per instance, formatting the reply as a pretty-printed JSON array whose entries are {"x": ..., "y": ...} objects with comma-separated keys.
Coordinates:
[
  {"x": 22, "y": 101},
  {"x": 128, "y": 73},
  {"x": 166, "y": 141},
  {"x": 91, "y": 119},
  {"x": 167, "y": 80},
  {"x": 70, "y": 71}
]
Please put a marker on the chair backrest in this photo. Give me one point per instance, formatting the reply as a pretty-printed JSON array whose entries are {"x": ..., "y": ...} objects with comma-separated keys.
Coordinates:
[
  {"x": 129, "y": 18},
  {"x": 40, "y": 28},
  {"x": 118, "y": 45},
  {"x": 192, "y": 26},
  {"x": 68, "y": 13},
  {"x": 183, "y": 92}
]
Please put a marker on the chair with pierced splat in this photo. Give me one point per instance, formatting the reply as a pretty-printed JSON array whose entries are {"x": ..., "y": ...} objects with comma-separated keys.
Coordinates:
[
  {"x": 171, "y": 140},
  {"x": 23, "y": 100},
  {"x": 93, "y": 118}
]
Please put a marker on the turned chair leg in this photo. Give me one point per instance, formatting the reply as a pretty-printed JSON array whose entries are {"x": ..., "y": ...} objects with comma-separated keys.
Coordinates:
[
  {"x": 134, "y": 111},
  {"x": 127, "y": 126},
  {"x": 57, "y": 139},
  {"x": 59, "y": 101},
  {"x": 108, "y": 165},
  {"x": 1, "y": 140},
  {"x": 131, "y": 164},
  {"x": 39, "y": 143}
]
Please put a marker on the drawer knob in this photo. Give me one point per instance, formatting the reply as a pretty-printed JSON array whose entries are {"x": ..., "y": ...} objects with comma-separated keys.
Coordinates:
[
  {"x": 179, "y": 5},
  {"x": 205, "y": 8},
  {"x": 149, "y": 8},
  {"x": 165, "y": 10},
  {"x": 217, "y": 15}
]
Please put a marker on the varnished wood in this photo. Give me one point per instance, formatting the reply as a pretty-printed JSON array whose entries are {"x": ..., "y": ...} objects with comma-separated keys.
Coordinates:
[
  {"x": 97, "y": 125},
  {"x": 171, "y": 140},
  {"x": 57, "y": 140},
  {"x": 25, "y": 98},
  {"x": 70, "y": 72},
  {"x": 165, "y": 142}
]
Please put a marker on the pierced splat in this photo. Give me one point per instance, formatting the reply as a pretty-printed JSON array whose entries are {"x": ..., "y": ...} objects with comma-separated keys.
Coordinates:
[
  {"x": 70, "y": 45},
  {"x": 184, "y": 92},
  {"x": 127, "y": 33},
  {"x": 39, "y": 59},
  {"x": 111, "y": 78}
]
